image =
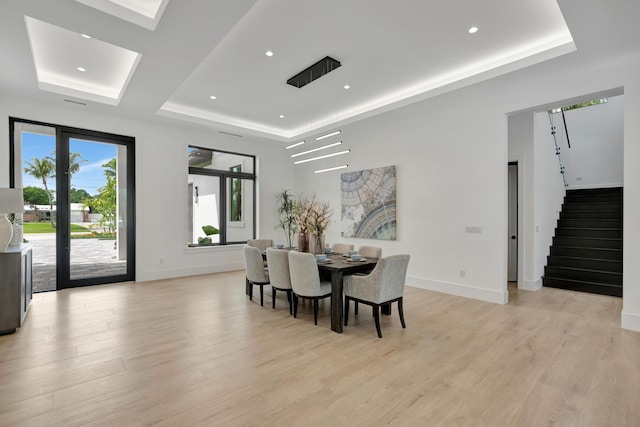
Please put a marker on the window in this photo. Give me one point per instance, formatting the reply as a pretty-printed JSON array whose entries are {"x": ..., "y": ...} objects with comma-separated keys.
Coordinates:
[{"x": 221, "y": 188}]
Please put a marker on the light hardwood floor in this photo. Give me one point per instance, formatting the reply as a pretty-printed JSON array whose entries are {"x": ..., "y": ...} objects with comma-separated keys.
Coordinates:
[{"x": 195, "y": 351}]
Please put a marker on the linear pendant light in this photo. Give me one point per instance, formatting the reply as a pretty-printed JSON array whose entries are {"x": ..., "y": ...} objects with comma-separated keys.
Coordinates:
[
  {"x": 317, "y": 149},
  {"x": 295, "y": 145},
  {"x": 331, "y": 169},
  {"x": 327, "y": 135},
  {"x": 322, "y": 157}
]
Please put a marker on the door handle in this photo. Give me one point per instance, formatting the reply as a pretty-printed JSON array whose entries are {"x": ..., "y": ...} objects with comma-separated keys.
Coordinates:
[{"x": 513, "y": 237}]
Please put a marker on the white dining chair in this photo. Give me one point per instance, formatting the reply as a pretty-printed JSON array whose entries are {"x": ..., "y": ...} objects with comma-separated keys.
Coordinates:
[
  {"x": 256, "y": 272},
  {"x": 305, "y": 281},
  {"x": 279, "y": 276}
]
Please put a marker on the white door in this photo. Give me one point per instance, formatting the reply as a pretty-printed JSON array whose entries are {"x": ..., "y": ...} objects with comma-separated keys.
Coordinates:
[{"x": 512, "y": 235}]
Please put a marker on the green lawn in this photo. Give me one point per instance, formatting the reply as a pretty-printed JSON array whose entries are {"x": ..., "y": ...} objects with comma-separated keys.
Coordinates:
[{"x": 45, "y": 227}]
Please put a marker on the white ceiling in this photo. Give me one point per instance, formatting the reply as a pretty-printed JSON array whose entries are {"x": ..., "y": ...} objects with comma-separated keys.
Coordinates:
[{"x": 163, "y": 59}]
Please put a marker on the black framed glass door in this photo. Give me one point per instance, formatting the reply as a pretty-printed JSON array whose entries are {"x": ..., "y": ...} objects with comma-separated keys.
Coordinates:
[
  {"x": 81, "y": 227},
  {"x": 95, "y": 233}
]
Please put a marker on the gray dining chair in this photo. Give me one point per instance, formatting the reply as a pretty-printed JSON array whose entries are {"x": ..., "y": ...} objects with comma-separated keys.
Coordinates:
[
  {"x": 256, "y": 272},
  {"x": 279, "y": 276},
  {"x": 342, "y": 248},
  {"x": 370, "y": 251},
  {"x": 261, "y": 244},
  {"x": 384, "y": 285},
  {"x": 305, "y": 281}
]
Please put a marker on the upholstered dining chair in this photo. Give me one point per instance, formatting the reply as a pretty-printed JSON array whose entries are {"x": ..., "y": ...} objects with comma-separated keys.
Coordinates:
[
  {"x": 305, "y": 281},
  {"x": 384, "y": 285},
  {"x": 256, "y": 272},
  {"x": 370, "y": 251},
  {"x": 261, "y": 244},
  {"x": 342, "y": 248},
  {"x": 279, "y": 276}
]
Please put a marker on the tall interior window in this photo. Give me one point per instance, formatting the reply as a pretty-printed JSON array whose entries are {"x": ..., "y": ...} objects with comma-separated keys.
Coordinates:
[{"x": 221, "y": 188}]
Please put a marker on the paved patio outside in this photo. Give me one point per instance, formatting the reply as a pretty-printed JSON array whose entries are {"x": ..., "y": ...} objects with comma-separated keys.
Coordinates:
[{"x": 89, "y": 258}]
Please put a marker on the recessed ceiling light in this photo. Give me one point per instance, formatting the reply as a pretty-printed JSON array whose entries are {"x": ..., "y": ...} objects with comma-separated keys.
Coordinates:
[
  {"x": 81, "y": 69},
  {"x": 347, "y": 86},
  {"x": 212, "y": 97},
  {"x": 281, "y": 116},
  {"x": 268, "y": 53},
  {"x": 473, "y": 30},
  {"x": 86, "y": 36}
]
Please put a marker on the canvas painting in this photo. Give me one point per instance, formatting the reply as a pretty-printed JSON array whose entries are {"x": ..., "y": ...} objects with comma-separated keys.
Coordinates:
[{"x": 369, "y": 203}]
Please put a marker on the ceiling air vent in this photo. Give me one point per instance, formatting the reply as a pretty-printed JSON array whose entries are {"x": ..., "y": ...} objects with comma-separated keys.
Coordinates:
[{"x": 317, "y": 70}]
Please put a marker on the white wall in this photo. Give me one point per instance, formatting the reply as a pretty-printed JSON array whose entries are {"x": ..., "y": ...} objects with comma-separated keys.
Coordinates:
[
  {"x": 161, "y": 184},
  {"x": 451, "y": 158},
  {"x": 548, "y": 192},
  {"x": 595, "y": 158}
]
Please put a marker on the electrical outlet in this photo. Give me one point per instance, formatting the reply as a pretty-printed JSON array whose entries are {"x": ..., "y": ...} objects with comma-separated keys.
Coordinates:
[
  {"x": 463, "y": 273},
  {"x": 161, "y": 261},
  {"x": 473, "y": 229}
]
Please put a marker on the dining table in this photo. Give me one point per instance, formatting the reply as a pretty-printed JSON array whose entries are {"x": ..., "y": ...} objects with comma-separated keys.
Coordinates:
[{"x": 336, "y": 267}]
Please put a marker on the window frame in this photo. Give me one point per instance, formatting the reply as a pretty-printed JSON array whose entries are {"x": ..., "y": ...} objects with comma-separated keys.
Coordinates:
[{"x": 226, "y": 178}]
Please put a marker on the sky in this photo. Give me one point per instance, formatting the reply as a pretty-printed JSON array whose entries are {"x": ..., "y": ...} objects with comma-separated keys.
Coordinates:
[{"x": 92, "y": 156}]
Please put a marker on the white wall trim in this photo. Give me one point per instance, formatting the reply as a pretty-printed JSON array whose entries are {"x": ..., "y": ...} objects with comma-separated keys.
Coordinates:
[
  {"x": 187, "y": 271},
  {"x": 531, "y": 285},
  {"x": 495, "y": 296},
  {"x": 630, "y": 321}
]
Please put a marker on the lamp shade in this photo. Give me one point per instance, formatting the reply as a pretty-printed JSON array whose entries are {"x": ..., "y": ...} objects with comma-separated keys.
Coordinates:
[{"x": 11, "y": 200}]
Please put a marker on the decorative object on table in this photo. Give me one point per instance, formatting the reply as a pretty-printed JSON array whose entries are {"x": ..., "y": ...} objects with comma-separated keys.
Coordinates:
[
  {"x": 313, "y": 217},
  {"x": 209, "y": 230},
  {"x": 11, "y": 202},
  {"x": 286, "y": 216},
  {"x": 369, "y": 203}
]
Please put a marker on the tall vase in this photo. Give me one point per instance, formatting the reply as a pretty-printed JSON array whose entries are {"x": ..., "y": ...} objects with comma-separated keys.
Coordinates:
[
  {"x": 316, "y": 244},
  {"x": 303, "y": 242}
]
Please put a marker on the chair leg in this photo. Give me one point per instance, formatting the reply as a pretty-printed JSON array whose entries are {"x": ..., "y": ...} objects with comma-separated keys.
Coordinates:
[
  {"x": 346, "y": 311},
  {"x": 250, "y": 291},
  {"x": 376, "y": 317},
  {"x": 295, "y": 305},
  {"x": 261, "y": 295},
  {"x": 401, "y": 312},
  {"x": 273, "y": 298},
  {"x": 355, "y": 312},
  {"x": 315, "y": 311},
  {"x": 290, "y": 301}
]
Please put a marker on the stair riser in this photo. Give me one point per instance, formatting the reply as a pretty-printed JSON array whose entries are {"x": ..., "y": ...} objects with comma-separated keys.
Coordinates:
[
  {"x": 587, "y": 253},
  {"x": 601, "y": 214},
  {"x": 589, "y": 232},
  {"x": 573, "y": 207},
  {"x": 591, "y": 276},
  {"x": 581, "y": 242},
  {"x": 595, "y": 191},
  {"x": 589, "y": 264},
  {"x": 590, "y": 223},
  {"x": 583, "y": 287},
  {"x": 590, "y": 199}
]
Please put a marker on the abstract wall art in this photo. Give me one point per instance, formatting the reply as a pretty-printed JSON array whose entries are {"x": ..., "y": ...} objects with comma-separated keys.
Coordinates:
[{"x": 369, "y": 203}]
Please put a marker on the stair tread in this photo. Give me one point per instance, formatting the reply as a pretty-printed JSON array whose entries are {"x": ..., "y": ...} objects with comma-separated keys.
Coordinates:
[
  {"x": 584, "y": 247},
  {"x": 586, "y": 259},
  {"x": 613, "y": 285},
  {"x": 585, "y": 269}
]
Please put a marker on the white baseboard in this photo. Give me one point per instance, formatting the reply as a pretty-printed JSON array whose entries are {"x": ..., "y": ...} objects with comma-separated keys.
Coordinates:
[
  {"x": 184, "y": 272},
  {"x": 488, "y": 295},
  {"x": 630, "y": 321},
  {"x": 529, "y": 285}
]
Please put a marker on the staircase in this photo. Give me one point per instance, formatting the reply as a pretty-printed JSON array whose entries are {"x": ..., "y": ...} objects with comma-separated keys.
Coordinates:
[{"x": 586, "y": 254}]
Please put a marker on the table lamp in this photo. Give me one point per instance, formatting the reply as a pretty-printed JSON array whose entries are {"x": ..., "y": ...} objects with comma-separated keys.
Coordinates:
[{"x": 11, "y": 201}]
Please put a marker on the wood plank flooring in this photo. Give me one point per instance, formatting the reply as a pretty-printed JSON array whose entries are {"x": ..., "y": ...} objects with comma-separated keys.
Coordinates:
[{"x": 196, "y": 352}]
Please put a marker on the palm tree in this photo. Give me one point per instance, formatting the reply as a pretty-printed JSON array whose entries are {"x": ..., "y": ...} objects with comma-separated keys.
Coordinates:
[{"x": 43, "y": 169}]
